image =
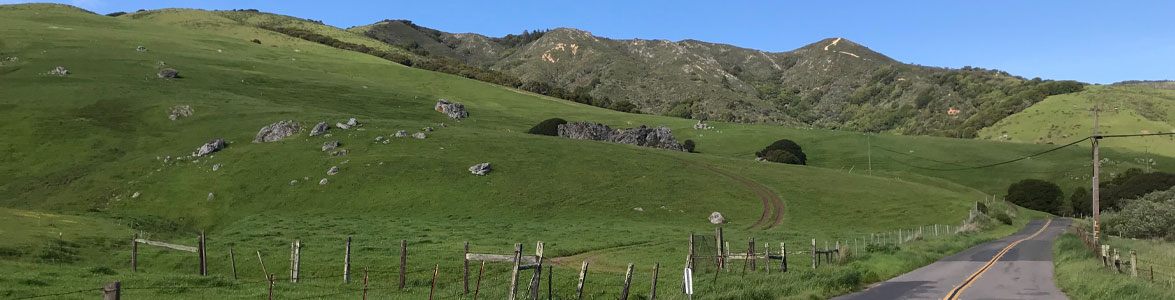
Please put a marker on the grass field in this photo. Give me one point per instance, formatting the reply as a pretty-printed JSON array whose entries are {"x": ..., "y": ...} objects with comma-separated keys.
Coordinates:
[
  {"x": 79, "y": 146},
  {"x": 1079, "y": 272},
  {"x": 1126, "y": 110}
]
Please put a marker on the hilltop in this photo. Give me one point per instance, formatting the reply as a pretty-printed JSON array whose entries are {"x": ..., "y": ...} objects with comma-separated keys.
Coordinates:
[
  {"x": 1127, "y": 109},
  {"x": 833, "y": 83}
]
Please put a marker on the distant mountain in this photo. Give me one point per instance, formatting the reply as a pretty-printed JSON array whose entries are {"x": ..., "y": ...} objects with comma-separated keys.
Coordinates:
[{"x": 834, "y": 83}]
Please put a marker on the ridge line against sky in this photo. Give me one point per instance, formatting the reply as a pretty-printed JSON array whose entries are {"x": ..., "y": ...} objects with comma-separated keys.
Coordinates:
[{"x": 1089, "y": 41}]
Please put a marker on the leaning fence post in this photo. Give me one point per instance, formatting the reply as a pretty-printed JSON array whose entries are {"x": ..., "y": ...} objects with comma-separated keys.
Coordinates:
[
  {"x": 477, "y": 288},
  {"x": 689, "y": 260},
  {"x": 134, "y": 253},
  {"x": 232, "y": 260},
  {"x": 271, "y": 279},
  {"x": 514, "y": 274},
  {"x": 262, "y": 265},
  {"x": 112, "y": 291},
  {"x": 582, "y": 277},
  {"x": 652, "y": 289},
  {"x": 435, "y": 270},
  {"x": 1133, "y": 264},
  {"x": 627, "y": 281},
  {"x": 718, "y": 240},
  {"x": 347, "y": 262},
  {"x": 364, "y": 283}
]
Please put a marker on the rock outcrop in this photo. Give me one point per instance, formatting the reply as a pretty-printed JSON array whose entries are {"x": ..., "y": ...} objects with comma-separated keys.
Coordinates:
[
  {"x": 716, "y": 218},
  {"x": 179, "y": 112},
  {"x": 333, "y": 170},
  {"x": 168, "y": 73},
  {"x": 352, "y": 122},
  {"x": 342, "y": 126},
  {"x": 340, "y": 152},
  {"x": 702, "y": 125},
  {"x": 319, "y": 129},
  {"x": 58, "y": 71},
  {"x": 216, "y": 167},
  {"x": 141, "y": 49},
  {"x": 658, "y": 137},
  {"x": 402, "y": 133},
  {"x": 209, "y": 147},
  {"x": 455, "y": 110},
  {"x": 322, "y": 182},
  {"x": 277, "y": 131},
  {"x": 331, "y": 145},
  {"x": 419, "y": 135},
  {"x": 480, "y": 169}
]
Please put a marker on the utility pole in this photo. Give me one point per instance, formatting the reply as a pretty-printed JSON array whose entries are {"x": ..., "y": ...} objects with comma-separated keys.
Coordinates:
[
  {"x": 869, "y": 150},
  {"x": 1096, "y": 182}
]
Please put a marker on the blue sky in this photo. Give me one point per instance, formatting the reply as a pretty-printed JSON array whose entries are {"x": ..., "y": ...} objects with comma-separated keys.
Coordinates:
[{"x": 1091, "y": 41}]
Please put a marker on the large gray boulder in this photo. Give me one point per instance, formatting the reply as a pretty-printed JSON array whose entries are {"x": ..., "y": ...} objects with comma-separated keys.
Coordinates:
[
  {"x": 277, "y": 131},
  {"x": 716, "y": 218},
  {"x": 352, "y": 122},
  {"x": 209, "y": 147},
  {"x": 333, "y": 170},
  {"x": 419, "y": 135},
  {"x": 168, "y": 73},
  {"x": 659, "y": 137},
  {"x": 455, "y": 110},
  {"x": 480, "y": 169},
  {"x": 319, "y": 129},
  {"x": 402, "y": 133}
]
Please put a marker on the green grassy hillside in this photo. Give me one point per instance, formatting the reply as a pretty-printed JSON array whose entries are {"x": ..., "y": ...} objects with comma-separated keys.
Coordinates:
[
  {"x": 1126, "y": 110},
  {"x": 82, "y": 145}
]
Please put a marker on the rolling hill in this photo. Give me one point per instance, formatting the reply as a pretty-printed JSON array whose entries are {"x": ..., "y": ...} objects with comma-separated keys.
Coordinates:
[
  {"x": 1126, "y": 110},
  {"x": 833, "y": 84},
  {"x": 90, "y": 158}
]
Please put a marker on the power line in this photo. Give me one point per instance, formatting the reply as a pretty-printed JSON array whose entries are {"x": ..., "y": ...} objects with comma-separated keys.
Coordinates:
[{"x": 964, "y": 167}]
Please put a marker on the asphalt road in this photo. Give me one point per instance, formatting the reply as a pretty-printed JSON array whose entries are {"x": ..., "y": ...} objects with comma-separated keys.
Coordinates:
[{"x": 1024, "y": 271}]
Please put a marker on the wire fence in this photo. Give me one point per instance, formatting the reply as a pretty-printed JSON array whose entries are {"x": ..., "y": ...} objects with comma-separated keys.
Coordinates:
[{"x": 1129, "y": 262}]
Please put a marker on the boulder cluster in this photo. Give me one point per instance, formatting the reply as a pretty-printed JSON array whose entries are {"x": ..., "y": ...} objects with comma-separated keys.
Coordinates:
[
  {"x": 480, "y": 169},
  {"x": 58, "y": 71},
  {"x": 277, "y": 131},
  {"x": 179, "y": 111},
  {"x": 658, "y": 137},
  {"x": 455, "y": 110}
]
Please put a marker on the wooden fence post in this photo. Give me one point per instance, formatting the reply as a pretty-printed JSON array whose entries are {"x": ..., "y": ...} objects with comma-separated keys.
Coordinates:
[
  {"x": 900, "y": 237},
  {"x": 783, "y": 257},
  {"x": 266, "y": 273},
  {"x": 653, "y": 289},
  {"x": 1117, "y": 261},
  {"x": 296, "y": 262},
  {"x": 767, "y": 257},
  {"x": 364, "y": 283},
  {"x": 582, "y": 276},
  {"x": 1133, "y": 264},
  {"x": 232, "y": 260},
  {"x": 813, "y": 253},
  {"x": 514, "y": 274},
  {"x": 112, "y": 291},
  {"x": 533, "y": 288},
  {"x": 134, "y": 253},
  {"x": 271, "y": 279},
  {"x": 200, "y": 249},
  {"x": 347, "y": 262},
  {"x": 550, "y": 277},
  {"x": 751, "y": 254},
  {"x": 403, "y": 262},
  {"x": 725, "y": 256},
  {"x": 466, "y": 267},
  {"x": 718, "y": 240},
  {"x": 627, "y": 282}
]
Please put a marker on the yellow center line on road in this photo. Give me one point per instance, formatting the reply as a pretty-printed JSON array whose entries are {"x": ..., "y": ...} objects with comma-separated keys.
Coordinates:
[{"x": 954, "y": 294}]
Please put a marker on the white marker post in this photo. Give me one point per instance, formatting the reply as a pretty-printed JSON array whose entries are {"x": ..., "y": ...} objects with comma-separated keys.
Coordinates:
[{"x": 689, "y": 283}]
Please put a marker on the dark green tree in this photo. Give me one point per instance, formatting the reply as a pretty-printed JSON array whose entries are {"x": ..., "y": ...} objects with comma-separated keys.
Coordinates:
[
  {"x": 1036, "y": 194},
  {"x": 689, "y": 146},
  {"x": 795, "y": 153},
  {"x": 1081, "y": 201}
]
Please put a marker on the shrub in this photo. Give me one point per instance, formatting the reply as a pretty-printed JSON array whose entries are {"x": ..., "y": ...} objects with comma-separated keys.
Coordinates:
[
  {"x": 1037, "y": 195},
  {"x": 1002, "y": 216},
  {"x": 1150, "y": 216},
  {"x": 689, "y": 146},
  {"x": 547, "y": 127},
  {"x": 784, "y": 151},
  {"x": 257, "y": 41},
  {"x": 115, "y": 14}
]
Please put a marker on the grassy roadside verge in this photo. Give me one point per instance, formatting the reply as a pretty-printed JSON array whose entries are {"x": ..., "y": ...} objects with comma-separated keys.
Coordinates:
[{"x": 1079, "y": 273}]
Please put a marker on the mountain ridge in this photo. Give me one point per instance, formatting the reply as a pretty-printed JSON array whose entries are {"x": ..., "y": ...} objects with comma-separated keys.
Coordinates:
[{"x": 833, "y": 83}]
